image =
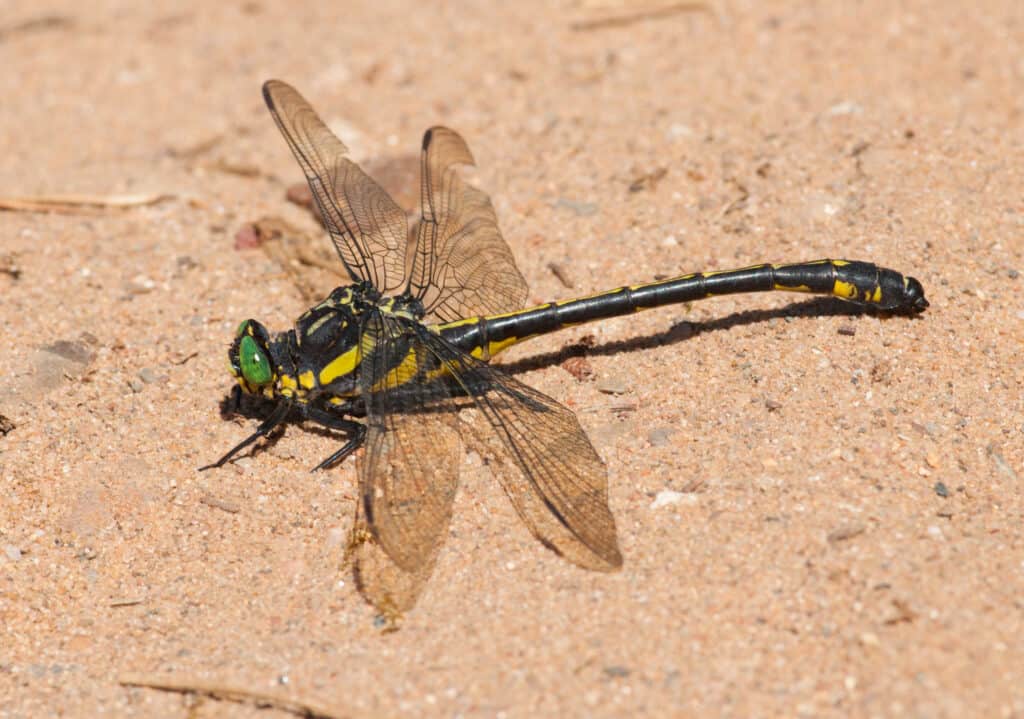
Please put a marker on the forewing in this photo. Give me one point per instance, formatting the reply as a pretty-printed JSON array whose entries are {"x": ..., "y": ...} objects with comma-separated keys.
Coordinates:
[
  {"x": 368, "y": 228},
  {"x": 409, "y": 474},
  {"x": 540, "y": 454},
  {"x": 462, "y": 266}
]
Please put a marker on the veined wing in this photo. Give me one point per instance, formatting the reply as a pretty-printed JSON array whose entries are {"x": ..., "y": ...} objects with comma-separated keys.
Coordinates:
[
  {"x": 388, "y": 586},
  {"x": 385, "y": 585},
  {"x": 409, "y": 474},
  {"x": 543, "y": 459},
  {"x": 368, "y": 228},
  {"x": 461, "y": 266}
]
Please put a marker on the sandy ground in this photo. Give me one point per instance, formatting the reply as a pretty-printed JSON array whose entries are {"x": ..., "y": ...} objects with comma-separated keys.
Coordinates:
[{"x": 820, "y": 509}]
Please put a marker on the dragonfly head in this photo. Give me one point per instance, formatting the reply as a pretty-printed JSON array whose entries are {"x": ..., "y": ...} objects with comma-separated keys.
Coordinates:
[{"x": 250, "y": 359}]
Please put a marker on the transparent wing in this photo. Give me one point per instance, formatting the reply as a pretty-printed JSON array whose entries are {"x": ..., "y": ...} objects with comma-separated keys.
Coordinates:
[
  {"x": 547, "y": 466},
  {"x": 368, "y": 228},
  {"x": 415, "y": 384},
  {"x": 461, "y": 266},
  {"x": 409, "y": 474},
  {"x": 382, "y": 582}
]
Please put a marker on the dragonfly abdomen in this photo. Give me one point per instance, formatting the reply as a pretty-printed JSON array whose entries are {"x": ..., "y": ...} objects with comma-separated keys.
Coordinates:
[{"x": 862, "y": 283}]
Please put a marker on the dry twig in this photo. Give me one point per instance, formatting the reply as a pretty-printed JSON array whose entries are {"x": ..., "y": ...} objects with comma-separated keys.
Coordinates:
[
  {"x": 299, "y": 707},
  {"x": 650, "y": 13},
  {"x": 74, "y": 203}
]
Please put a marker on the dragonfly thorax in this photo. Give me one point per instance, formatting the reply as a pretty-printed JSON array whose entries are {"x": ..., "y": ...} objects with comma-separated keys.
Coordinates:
[{"x": 322, "y": 353}]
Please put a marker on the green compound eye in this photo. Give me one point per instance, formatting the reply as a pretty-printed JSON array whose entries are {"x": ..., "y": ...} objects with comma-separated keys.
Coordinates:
[
  {"x": 241, "y": 328},
  {"x": 255, "y": 363}
]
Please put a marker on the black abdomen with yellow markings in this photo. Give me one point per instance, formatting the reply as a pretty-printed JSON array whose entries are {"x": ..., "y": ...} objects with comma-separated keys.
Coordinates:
[{"x": 859, "y": 282}]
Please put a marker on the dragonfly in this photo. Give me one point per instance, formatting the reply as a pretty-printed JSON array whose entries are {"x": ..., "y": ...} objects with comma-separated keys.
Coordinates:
[{"x": 396, "y": 359}]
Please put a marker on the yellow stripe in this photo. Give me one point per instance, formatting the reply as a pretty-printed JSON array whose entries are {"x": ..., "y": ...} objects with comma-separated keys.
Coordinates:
[
  {"x": 343, "y": 364},
  {"x": 668, "y": 281},
  {"x": 835, "y": 263},
  {"x": 401, "y": 374},
  {"x": 320, "y": 323},
  {"x": 715, "y": 273},
  {"x": 605, "y": 293},
  {"x": 494, "y": 348},
  {"x": 455, "y": 323}
]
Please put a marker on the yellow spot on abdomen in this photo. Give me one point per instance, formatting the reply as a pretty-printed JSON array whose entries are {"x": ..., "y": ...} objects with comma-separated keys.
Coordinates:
[{"x": 845, "y": 290}]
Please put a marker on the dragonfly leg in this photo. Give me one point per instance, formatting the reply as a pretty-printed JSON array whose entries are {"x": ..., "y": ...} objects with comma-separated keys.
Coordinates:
[
  {"x": 265, "y": 428},
  {"x": 356, "y": 432}
]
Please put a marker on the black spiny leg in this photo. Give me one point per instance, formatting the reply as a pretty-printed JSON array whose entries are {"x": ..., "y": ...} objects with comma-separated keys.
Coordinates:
[
  {"x": 356, "y": 432},
  {"x": 265, "y": 428}
]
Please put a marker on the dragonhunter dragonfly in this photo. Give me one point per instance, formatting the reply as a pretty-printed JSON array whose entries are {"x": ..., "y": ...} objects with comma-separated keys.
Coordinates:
[{"x": 405, "y": 348}]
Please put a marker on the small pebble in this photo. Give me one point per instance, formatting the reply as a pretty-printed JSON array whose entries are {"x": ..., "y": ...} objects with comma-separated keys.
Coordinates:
[
  {"x": 612, "y": 385},
  {"x": 649, "y": 180},
  {"x": 336, "y": 537},
  {"x": 941, "y": 489},
  {"x": 136, "y": 384},
  {"x": 581, "y": 209},
  {"x": 72, "y": 350},
  {"x": 846, "y": 107},
  {"x": 617, "y": 672},
  {"x": 248, "y": 237},
  {"x": 844, "y": 533},
  {"x": 150, "y": 375},
  {"x": 225, "y": 505},
  {"x": 299, "y": 194},
  {"x": 869, "y": 639},
  {"x": 821, "y": 207},
  {"x": 579, "y": 367},
  {"x": 670, "y": 497},
  {"x": 140, "y": 285},
  {"x": 12, "y": 552},
  {"x": 562, "y": 274},
  {"x": 847, "y": 330},
  {"x": 660, "y": 436}
]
